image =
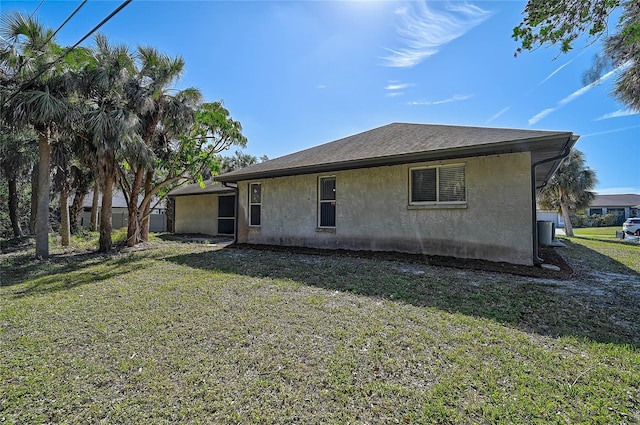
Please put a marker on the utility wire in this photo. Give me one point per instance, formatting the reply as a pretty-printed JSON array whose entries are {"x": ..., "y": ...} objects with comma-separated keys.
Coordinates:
[
  {"x": 38, "y": 7},
  {"x": 66, "y": 52},
  {"x": 63, "y": 24},
  {"x": 66, "y": 21}
]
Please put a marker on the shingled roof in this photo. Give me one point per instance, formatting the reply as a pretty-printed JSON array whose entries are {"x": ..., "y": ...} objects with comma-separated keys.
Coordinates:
[
  {"x": 399, "y": 143},
  {"x": 622, "y": 200}
]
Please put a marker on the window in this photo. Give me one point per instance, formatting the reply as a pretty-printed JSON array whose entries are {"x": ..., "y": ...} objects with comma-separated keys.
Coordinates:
[
  {"x": 327, "y": 201},
  {"x": 434, "y": 185},
  {"x": 255, "y": 203}
]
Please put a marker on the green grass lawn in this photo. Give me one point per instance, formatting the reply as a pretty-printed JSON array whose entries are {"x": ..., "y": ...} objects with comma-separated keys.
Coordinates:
[
  {"x": 190, "y": 333},
  {"x": 604, "y": 251},
  {"x": 597, "y": 232}
]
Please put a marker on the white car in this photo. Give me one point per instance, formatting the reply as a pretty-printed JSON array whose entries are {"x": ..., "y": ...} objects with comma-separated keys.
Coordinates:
[{"x": 631, "y": 226}]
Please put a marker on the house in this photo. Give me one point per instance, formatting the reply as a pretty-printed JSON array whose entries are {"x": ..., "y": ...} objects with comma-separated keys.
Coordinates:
[
  {"x": 549, "y": 215},
  {"x": 456, "y": 191},
  {"x": 625, "y": 206},
  {"x": 208, "y": 209},
  {"x": 120, "y": 213}
]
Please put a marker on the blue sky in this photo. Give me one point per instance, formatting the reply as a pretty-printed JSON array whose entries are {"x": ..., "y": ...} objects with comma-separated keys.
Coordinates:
[{"x": 301, "y": 73}]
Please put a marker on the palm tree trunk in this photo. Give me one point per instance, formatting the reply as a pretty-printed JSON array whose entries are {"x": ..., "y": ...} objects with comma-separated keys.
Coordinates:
[
  {"x": 76, "y": 209},
  {"x": 107, "y": 170},
  {"x": 34, "y": 200},
  {"x": 147, "y": 208},
  {"x": 94, "y": 206},
  {"x": 65, "y": 226},
  {"x": 13, "y": 202},
  {"x": 42, "y": 210},
  {"x": 133, "y": 228},
  {"x": 564, "y": 207}
]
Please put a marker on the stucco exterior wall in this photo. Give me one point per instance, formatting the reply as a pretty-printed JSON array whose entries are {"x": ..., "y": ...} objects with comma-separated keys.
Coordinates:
[
  {"x": 196, "y": 214},
  {"x": 373, "y": 212}
]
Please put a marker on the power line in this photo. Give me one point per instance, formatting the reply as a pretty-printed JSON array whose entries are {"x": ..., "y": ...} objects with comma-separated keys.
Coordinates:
[
  {"x": 37, "y": 7},
  {"x": 66, "y": 52},
  {"x": 63, "y": 24},
  {"x": 96, "y": 28},
  {"x": 66, "y": 20}
]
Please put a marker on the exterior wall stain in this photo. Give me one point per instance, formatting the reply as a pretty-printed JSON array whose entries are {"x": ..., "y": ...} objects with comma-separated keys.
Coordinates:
[{"x": 373, "y": 212}]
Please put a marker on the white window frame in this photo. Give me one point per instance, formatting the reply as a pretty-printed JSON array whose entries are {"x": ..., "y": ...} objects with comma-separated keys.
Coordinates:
[
  {"x": 437, "y": 201},
  {"x": 321, "y": 201},
  {"x": 255, "y": 203}
]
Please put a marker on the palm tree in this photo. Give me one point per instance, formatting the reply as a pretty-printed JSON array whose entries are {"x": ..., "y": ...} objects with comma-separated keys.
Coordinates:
[
  {"x": 239, "y": 160},
  {"x": 108, "y": 119},
  {"x": 40, "y": 98},
  {"x": 570, "y": 188},
  {"x": 17, "y": 154},
  {"x": 61, "y": 158},
  {"x": 163, "y": 116},
  {"x": 83, "y": 177}
]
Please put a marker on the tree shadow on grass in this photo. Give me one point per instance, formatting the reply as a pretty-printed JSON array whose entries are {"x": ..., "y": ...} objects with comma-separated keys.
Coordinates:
[
  {"x": 64, "y": 272},
  {"x": 563, "y": 307},
  {"x": 590, "y": 260},
  {"x": 609, "y": 240}
]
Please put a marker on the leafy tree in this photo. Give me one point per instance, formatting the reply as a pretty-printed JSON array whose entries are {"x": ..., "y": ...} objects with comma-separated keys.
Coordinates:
[
  {"x": 561, "y": 22},
  {"x": 570, "y": 188},
  {"x": 39, "y": 98},
  {"x": 188, "y": 156}
]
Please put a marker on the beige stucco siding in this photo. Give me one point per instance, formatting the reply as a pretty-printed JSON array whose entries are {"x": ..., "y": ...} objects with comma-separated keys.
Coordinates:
[
  {"x": 373, "y": 212},
  {"x": 196, "y": 214}
]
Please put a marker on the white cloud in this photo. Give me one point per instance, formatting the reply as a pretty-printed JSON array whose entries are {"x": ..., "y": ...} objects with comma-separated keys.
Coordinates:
[
  {"x": 401, "y": 10},
  {"x": 576, "y": 94},
  {"x": 321, "y": 86},
  {"x": 395, "y": 94},
  {"x": 615, "y": 130},
  {"x": 558, "y": 69},
  {"x": 454, "y": 98},
  {"x": 541, "y": 115},
  {"x": 617, "y": 190},
  {"x": 424, "y": 30},
  {"x": 397, "y": 86},
  {"x": 618, "y": 113},
  {"x": 498, "y": 114}
]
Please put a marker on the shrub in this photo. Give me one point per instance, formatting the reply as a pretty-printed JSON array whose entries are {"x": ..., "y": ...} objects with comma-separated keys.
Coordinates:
[{"x": 594, "y": 220}]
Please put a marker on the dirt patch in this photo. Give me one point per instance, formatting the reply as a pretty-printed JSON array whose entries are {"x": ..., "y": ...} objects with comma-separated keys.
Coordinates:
[{"x": 548, "y": 254}]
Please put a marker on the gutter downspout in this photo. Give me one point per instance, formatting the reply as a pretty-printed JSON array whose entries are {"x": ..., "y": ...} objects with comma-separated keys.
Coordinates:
[
  {"x": 235, "y": 214},
  {"x": 534, "y": 219}
]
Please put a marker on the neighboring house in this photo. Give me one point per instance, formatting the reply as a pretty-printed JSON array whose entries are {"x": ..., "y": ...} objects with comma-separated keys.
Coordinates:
[
  {"x": 208, "y": 209},
  {"x": 548, "y": 215},
  {"x": 120, "y": 213},
  {"x": 455, "y": 191},
  {"x": 624, "y": 206}
]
